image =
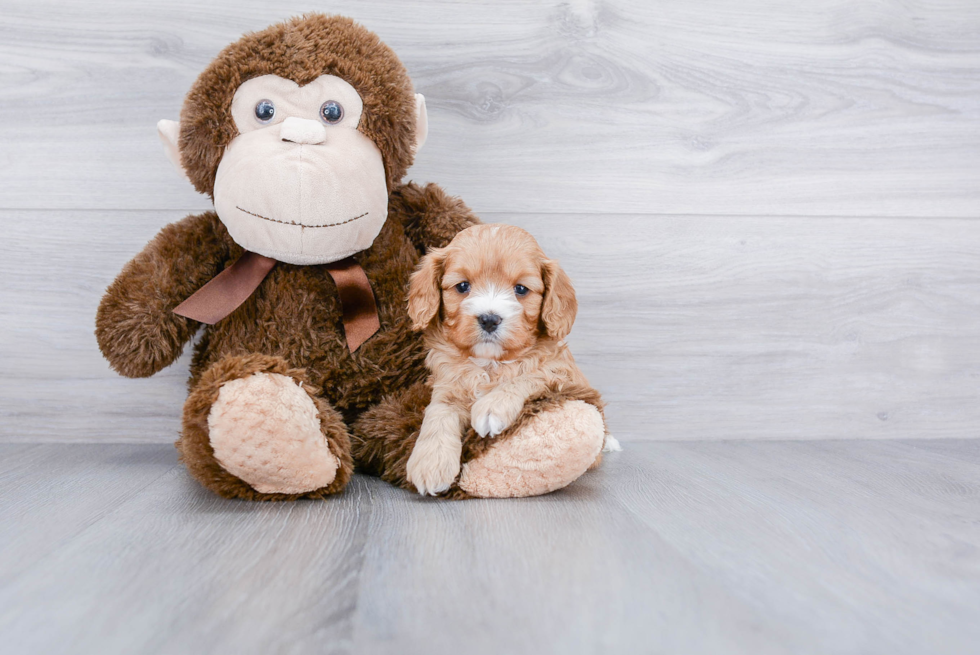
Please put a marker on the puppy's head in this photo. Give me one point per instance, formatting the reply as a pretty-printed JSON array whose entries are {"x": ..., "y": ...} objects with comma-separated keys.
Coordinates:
[{"x": 492, "y": 293}]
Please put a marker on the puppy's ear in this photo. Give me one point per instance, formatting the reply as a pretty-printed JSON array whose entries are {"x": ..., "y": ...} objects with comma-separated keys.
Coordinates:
[
  {"x": 559, "y": 306},
  {"x": 425, "y": 290}
]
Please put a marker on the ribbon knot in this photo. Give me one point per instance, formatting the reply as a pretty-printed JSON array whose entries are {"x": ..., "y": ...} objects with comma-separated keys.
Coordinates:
[{"x": 224, "y": 293}]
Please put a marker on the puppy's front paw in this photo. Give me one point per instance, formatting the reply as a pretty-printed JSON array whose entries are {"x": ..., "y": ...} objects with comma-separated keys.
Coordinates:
[
  {"x": 492, "y": 415},
  {"x": 433, "y": 465}
]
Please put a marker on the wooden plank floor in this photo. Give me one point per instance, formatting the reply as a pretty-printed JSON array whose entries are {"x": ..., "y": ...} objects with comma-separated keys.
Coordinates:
[{"x": 695, "y": 547}]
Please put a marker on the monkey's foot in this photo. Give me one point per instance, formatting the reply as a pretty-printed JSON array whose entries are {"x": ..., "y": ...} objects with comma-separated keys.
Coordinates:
[
  {"x": 256, "y": 429},
  {"x": 265, "y": 429},
  {"x": 549, "y": 451}
]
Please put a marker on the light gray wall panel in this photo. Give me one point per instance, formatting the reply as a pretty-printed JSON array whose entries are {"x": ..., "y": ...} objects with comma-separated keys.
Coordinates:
[
  {"x": 777, "y": 328},
  {"x": 832, "y": 107},
  {"x": 726, "y": 184},
  {"x": 693, "y": 327}
]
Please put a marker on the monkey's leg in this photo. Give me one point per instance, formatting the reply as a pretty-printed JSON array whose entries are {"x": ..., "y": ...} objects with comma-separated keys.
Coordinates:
[
  {"x": 255, "y": 428},
  {"x": 551, "y": 445},
  {"x": 382, "y": 438},
  {"x": 553, "y": 442}
]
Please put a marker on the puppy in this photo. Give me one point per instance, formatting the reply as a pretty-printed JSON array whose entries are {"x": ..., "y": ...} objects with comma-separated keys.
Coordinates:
[{"x": 495, "y": 312}]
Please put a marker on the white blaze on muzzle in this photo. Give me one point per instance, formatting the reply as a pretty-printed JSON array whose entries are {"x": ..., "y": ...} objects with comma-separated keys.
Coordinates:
[{"x": 492, "y": 299}]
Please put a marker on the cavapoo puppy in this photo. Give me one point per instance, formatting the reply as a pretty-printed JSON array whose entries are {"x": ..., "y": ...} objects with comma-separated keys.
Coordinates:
[{"x": 495, "y": 312}]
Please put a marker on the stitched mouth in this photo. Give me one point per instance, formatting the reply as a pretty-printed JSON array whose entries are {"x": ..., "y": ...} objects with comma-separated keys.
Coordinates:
[{"x": 273, "y": 220}]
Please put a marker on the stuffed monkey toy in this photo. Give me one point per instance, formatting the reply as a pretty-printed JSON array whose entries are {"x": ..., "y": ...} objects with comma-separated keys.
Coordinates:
[{"x": 308, "y": 364}]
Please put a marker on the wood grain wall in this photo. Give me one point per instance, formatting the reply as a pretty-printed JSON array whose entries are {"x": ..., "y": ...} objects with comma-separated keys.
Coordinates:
[{"x": 770, "y": 209}]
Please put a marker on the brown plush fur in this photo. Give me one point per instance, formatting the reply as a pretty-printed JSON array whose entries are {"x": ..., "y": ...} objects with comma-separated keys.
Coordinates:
[
  {"x": 383, "y": 437},
  {"x": 134, "y": 325}
]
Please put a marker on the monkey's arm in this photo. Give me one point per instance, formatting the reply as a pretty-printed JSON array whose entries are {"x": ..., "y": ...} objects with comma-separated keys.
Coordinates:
[
  {"x": 430, "y": 216},
  {"x": 135, "y": 325}
]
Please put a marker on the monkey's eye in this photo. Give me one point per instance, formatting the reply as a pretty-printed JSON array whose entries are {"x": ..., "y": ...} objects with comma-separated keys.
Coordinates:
[
  {"x": 463, "y": 287},
  {"x": 521, "y": 290},
  {"x": 265, "y": 110},
  {"x": 331, "y": 111}
]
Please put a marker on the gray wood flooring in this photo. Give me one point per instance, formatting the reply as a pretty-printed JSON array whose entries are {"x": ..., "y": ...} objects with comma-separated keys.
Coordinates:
[{"x": 720, "y": 547}]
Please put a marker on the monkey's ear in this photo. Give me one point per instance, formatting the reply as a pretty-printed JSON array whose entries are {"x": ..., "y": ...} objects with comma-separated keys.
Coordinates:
[
  {"x": 169, "y": 133},
  {"x": 425, "y": 290},
  {"x": 421, "y": 122}
]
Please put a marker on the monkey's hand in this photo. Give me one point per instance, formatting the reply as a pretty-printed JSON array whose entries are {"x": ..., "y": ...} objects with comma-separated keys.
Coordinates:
[{"x": 135, "y": 325}]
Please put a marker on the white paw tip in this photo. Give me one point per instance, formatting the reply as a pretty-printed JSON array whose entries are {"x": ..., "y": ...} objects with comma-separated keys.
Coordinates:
[
  {"x": 489, "y": 425},
  {"x": 435, "y": 491},
  {"x": 496, "y": 425}
]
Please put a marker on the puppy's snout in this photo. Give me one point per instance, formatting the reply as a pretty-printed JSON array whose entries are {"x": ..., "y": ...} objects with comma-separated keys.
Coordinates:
[{"x": 488, "y": 322}]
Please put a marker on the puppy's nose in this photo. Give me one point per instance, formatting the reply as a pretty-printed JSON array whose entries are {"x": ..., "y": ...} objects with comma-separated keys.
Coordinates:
[{"x": 488, "y": 322}]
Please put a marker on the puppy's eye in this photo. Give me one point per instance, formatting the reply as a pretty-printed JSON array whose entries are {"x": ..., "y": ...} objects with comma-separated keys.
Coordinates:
[
  {"x": 265, "y": 110},
  {"x": 463, "y": 287},
  {"x": 521, "y": 290}
]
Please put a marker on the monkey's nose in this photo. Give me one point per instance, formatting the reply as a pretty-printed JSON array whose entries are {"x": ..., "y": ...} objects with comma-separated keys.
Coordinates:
[
  {"x": 488, "y": 322},
  {"x": 302, "y": 130}
]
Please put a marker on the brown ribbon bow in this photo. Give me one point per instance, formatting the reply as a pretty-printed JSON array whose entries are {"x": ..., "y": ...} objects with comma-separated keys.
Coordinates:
[{"x": 232, "y": 286}]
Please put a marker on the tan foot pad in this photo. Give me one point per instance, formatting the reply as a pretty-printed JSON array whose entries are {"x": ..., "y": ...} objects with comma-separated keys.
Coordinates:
[
  {"x": 550, "y": 452},
  {"x": 265, "y": 429}
]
